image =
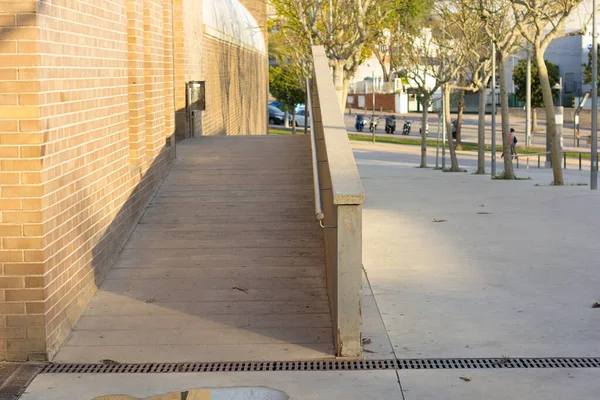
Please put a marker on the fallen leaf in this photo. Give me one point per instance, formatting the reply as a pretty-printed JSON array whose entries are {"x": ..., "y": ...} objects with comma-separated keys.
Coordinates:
[
  {"x": 240, "y": 288},
  {"x": 366, "y": 341},
  {"x": 464, "y": 378},
  {"x": 439, "y": 220},
  {"x": 150, "y": 301},
  {"x": 110, "y": 362},
  {"x": 484, "y": 213},
  {"x": 596, "y": 305}
]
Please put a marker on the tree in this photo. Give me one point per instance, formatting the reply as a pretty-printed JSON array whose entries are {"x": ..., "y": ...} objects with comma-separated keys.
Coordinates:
[
  {"x": 520, "y": 80},
  {"x": 470, "y": 55},
  {"x": 347, "y": 30},
  {"x": 286, "y": 88},
  {"x": 540, "y": 22},
  {"x": 401, "y": 25},
  {"x": 431, "y": 55},
  {"x": 477, "y": 71},
  {"x": 537, "y": 96},
  {"x": 587, "y": 70},
  {"x": 499, "y": 24}
]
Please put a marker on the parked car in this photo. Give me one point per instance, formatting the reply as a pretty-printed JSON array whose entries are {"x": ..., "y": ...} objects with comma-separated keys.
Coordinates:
[
  {"x": 276, "y": 116},
  {"x": 301, "y": 117}
]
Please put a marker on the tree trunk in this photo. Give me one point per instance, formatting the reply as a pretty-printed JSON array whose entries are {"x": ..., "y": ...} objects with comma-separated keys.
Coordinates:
[
  {"x": 481, "y": 131},
  {"x": 550, "y": 118},
  {"x": 338, "y": 81},
  {"x": 453, "y": 160},
  {"x": 345, "y": 91},
  {"x": 534, "y": 119},
  {"x": 424, "y": 125},
  {"x": 286, "y": 119},
  {"x": 459, "y": 118},
  {"x": 508, "y": 167},
  {"x": 294, "y": 120}
]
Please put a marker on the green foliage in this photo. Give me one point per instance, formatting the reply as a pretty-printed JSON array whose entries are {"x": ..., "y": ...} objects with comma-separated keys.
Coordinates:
[
  {"x": 587, "y": 69},
  {"x": 285, "y": 86},
  {"x": 520, "y": 79}
]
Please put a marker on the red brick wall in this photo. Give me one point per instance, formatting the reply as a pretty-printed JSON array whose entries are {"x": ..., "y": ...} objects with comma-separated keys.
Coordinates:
[{"x": 383, "y": 102}]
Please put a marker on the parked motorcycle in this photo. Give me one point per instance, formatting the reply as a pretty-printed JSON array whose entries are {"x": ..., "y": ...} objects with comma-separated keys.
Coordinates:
[
  {"x": 406, "y": 127},
  {"x": 390, "y": 124},
  {"x": 373, "y": 124},
  {"x": 359, "y": 124}
]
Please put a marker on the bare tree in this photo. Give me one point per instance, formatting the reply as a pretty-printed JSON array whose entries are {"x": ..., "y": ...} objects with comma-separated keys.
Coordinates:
[
  {"x": 498, "y": 22},
  {"x": 347, "y": 29},
  {"x": 431, "y": 62},
  {"x": 540, "y": 22}
]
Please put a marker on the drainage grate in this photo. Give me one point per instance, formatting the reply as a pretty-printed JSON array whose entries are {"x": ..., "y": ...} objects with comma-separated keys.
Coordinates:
[
  {"x": 333, "y": 365},
  {"x": 491, "y": 363}
]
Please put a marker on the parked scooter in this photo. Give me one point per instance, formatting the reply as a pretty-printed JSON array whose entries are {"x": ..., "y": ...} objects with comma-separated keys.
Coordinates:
[
  {"x": 360, "y": 123},
  {"x": 390, "y": 124},
  {"x": 373, "y": 123},
  {"x": 406, "y": 127}
]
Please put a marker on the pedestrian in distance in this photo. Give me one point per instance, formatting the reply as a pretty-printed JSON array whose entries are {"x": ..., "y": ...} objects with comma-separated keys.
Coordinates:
[{"x": 513, "y": 144}]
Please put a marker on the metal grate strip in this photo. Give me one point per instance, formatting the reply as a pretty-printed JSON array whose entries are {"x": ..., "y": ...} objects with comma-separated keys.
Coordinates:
[{"x": 332, "y": 365}]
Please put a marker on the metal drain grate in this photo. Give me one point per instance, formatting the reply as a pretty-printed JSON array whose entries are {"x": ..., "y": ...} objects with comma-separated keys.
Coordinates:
[
  {"x": 333, "y": 365},
  {"x": 491, "y": 363}
]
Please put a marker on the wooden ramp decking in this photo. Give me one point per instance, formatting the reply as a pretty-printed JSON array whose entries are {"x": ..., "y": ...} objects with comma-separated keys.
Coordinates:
[{"x": 226, "y": 264}]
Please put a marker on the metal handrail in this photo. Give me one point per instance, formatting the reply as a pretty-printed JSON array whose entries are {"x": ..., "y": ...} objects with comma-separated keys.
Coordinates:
[{"x": 313, "y": 144}]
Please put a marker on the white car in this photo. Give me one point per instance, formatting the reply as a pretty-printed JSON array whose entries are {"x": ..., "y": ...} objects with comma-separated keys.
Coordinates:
[{"x": 301, "y": 117}]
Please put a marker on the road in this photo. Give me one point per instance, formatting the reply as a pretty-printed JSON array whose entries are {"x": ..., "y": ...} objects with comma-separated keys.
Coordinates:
[{"x": 469, "y": 131}]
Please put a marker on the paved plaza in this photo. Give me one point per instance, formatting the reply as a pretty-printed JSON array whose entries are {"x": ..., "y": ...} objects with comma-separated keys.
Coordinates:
[{"x": 456, "y": 266}]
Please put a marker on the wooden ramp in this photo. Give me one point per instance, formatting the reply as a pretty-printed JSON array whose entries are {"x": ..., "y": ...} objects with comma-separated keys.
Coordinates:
[{"x": 226, "y": 264}]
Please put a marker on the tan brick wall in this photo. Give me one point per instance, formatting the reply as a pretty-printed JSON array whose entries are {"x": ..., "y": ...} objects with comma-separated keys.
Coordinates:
[
  {"x": 188, "y": 37},
  {"x": 89, "y": 91},
  {"x": 236, "y": 95},
  {"x": 82, "y": 158},
  {"x": 21, "y": 242}
]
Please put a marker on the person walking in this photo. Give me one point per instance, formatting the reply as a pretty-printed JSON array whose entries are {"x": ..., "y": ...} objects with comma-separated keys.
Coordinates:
[{"x": 513, "y": 143}]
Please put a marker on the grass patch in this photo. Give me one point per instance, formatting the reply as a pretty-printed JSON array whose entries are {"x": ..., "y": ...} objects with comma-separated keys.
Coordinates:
[
  {"x": 501, "y": 176},
  {"x": 286, "y": 131}
]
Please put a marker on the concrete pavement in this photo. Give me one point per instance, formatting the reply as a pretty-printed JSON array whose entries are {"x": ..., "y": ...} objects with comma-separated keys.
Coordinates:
[
  {"x": 510, "y": 269},
  {"x": 460, "y": 266}
]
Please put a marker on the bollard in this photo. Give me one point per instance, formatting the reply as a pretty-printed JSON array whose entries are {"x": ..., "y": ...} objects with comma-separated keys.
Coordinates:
[
  {"x": 527, "y": 162},
  {"x": 517, "y": 158},
  {"x": 564, "y": 160},
  {"x": 538, "y": 160},
  {"x": 580, "y": 161}
]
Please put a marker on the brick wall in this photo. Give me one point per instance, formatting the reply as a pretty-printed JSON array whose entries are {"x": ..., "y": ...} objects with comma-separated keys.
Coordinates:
[
  {"x": 21, "y": 240},
  {"x": 383, "y": 102},
  {"x": 89, "y": 93},
  {"x": 236, "y": 95},
  {"x": 94, "y": 134},
  {"x": 188, "y": 36}
]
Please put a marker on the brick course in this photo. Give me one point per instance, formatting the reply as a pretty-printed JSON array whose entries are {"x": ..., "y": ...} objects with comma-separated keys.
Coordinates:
[{"x": 92, "y": 94}]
